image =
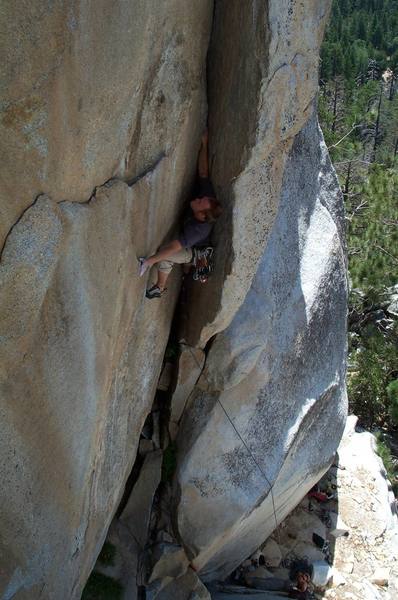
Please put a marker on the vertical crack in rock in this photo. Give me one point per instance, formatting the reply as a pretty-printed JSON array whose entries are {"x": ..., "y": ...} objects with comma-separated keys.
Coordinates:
[
  {"x": 237, "y": 63},
  {"x": 261, "y": 94}
]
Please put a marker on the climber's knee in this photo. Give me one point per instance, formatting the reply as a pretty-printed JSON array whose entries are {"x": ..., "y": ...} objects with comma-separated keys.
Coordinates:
[
  {"x": 183, "y": 256},
  {"x": 165, "y": 266}
]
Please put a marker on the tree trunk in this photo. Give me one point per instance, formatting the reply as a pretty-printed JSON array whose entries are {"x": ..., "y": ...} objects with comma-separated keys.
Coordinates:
[
  {"x": 392, "y": 87},
  {"x": 347, "y": 180},
  {"x": 377, "y": 127},
  {"x": 336, "y": 89}
]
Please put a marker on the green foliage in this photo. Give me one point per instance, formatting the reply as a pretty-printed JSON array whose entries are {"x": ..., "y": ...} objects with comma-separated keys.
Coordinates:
[
  {"x": 358, "y": 110},
  {"x": 373, "y": 234},
  {"x": 389, "y": 463},
  {"x": 107, "y": 555},
  {"x": 392, "y": 394},
  {"x": 360, "y": 105},
  {"x": 374, "y": 362},
  {"x": 101, "y": 587},
  {"x": 359, "y": 31}
]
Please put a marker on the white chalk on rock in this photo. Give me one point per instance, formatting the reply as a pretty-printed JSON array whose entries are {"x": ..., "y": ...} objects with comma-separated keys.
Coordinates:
[
  {"x": 338, "y": 579},
  {"x": 338, "y": 527},
  {"x": 381, "y": 576}
]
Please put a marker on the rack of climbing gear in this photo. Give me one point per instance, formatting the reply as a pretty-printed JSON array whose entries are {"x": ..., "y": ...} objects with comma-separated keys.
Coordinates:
[{"x": 203, "y": 262}]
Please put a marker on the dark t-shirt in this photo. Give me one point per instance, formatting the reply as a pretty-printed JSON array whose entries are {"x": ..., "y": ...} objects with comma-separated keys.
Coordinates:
[{"x": 194, "y": 232}]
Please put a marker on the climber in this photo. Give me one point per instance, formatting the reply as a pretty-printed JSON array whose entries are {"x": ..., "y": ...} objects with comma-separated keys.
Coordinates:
[
  {"x": 301, "y": 572},
  {"x": 203, "y": 211},
  {"x": 261, "y": 578}
]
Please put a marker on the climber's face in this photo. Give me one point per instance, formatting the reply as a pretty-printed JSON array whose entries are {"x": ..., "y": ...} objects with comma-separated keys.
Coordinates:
[
  {"x": 303, "y": 580},
  {"x": 200, "y": 206}
]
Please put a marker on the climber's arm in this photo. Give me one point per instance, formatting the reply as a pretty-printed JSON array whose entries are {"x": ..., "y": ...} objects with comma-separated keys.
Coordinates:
[{"x": 203, "y": 158}]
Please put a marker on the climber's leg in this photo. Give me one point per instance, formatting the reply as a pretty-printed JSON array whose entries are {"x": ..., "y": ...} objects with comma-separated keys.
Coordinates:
[
  {"x": 164, "y": 268},
  {"x": 162, "y": 278},
  {"x": 159, "y": 288}
]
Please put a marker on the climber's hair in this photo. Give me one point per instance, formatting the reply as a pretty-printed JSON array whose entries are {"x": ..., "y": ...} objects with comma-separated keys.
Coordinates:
[{"x": 214, "y": 211}]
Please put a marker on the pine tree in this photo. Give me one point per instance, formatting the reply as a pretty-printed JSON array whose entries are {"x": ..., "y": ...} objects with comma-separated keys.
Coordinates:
[
  {"x": 358, "y": 109},
  {"x": 377, "y": 37},
  {"x": 362, "y": 33}
]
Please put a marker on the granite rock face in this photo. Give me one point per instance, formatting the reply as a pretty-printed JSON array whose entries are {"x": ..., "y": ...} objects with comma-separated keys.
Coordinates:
[
  {"x": 367, "y": 558},
  {"x": 81, "y": 352},
  {"x": 263, "y": 421},
  {"x": 90, "y": 92},
  {"x": 190, "y": 365},
  {"x": 111, "y": 97}
]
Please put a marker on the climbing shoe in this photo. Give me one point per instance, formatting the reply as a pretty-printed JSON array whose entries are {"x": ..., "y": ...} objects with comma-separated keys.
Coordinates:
[
  {"x": 143, "y": 266},
  {"x": 154, "y": 292}
]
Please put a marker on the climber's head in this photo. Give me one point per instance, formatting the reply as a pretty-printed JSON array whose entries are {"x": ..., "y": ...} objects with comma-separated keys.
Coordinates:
[
  {"x": 303, "y": 580},
  {"x": 206, "y": 209}
]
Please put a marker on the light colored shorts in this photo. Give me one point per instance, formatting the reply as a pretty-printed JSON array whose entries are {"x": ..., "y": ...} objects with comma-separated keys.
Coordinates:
[{"x": 183, "y": 256}]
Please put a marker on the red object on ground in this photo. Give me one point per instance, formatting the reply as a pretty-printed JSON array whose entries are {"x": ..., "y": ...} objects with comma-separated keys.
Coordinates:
[{"x": 320, "y": 496}]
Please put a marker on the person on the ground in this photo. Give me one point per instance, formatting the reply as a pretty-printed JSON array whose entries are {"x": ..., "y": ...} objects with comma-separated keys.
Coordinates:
[
  {"x": 260, "y": 578},
  {"x": 300, "y": 590},
  {"x": 204, "y": 210}
]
